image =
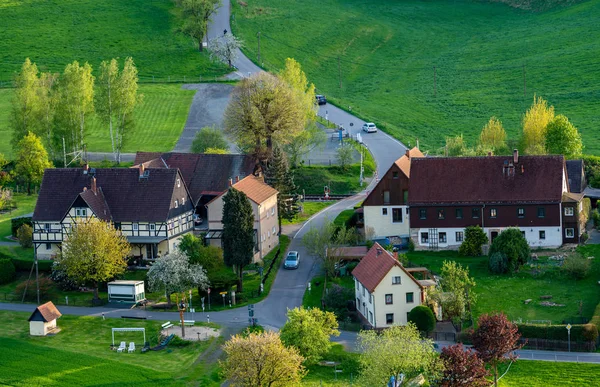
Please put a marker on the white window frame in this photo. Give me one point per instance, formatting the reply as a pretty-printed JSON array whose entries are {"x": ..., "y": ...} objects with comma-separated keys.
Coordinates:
[
  {"x": 183, "y": 200},
  {"x": 273, "y": 211},
  {"x": 540, "y": 234},
  {"x": 569, "y": 211},
  {"x": 397, "y": 277},
  {"x": 152, "y": 227},
  {"x": 274, "y": 231},
  {"x": 445, "y": 237},
  {"x": 572, "y": 232},
  {"x": 135, "y": 226},
  {"x": 178, "y": 182},
  {"x": 399, "y": 209},
  {"x": 176, "y": 203},
  {"x": 462, "y": 236},
  {"x": 384, "y": 211}
]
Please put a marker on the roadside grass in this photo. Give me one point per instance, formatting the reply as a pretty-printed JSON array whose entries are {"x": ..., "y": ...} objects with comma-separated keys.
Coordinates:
[
  {"x": 159, "y": 121},
  {"x": 340, "y": 181},
  {"x": 326, "y": 376},
  {"x": 343, "y": 217},
  {"x": 312, "y": 298},
  {"x": 383, "y": 54},
  {"x": 544, "y": 373},
  {"x": 308, "y": 210},
  {"x": 507, "y": 293},
  {"x": 17, "y": 252},
  {"x": 25, "y": 205},
  {"x": 54, "y": 33}
]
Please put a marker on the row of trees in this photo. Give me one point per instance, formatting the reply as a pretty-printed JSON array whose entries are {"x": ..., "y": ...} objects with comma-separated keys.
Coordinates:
[
  {"x": 543, "y": 132},
  {"x": 57, "y": 107}
]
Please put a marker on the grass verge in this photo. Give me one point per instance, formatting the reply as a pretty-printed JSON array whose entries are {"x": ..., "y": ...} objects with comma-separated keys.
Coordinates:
[
  {"x": 308, "y": 210},
  {"x": 25, "y": 205}
]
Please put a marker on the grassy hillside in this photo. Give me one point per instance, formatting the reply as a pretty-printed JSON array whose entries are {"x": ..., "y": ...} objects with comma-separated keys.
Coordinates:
[
  {"x": 387, "y": 51},
  {"x": 159, "y": 121},
  {"x": 55, "y": 32}
]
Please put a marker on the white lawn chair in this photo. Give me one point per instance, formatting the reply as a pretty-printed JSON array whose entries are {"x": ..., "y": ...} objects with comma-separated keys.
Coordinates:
[
  {"x": 131, "y": 347},
  {"x": 122, "y": 347}
]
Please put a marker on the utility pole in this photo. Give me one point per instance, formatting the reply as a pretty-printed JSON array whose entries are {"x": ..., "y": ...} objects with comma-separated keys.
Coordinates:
[
  {"x": 524, "y": 82},
  {"x": 258, "y": 36},
  {"x": 37, "y": 279},
  {"x": 340, "y": 71},
  {"x": 434, "y": 82}
]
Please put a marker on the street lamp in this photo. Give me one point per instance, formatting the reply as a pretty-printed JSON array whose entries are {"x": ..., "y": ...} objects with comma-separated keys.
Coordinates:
[{"x": 569, "y": 334}]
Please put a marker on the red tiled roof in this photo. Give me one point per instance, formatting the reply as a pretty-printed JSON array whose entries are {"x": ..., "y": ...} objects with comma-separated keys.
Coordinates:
[
  {"x": 48, "y": 312},
  {"x": 475, "y": 180},
  {"x": 255, "y": 188},
  {"x": 373, "y": 268},
  {"x": 404, "y": 162}
]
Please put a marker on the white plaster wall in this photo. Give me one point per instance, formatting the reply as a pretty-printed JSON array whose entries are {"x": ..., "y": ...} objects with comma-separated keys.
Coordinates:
[
  {"x": 382, "y": 224},
  {"x": 400, "y": 307},
  {"x": 36, "y": 328}
]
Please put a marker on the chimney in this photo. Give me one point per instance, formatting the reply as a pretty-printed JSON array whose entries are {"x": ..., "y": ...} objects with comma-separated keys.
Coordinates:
[
  {"x": 516, "y": 156},
  {"x": 230, "y": 181},
  {"x": 522, "y": 169},
  {"x": 407, "y": 153},
  {"x": 86, "y": 168},
  {"x": 237, "y": 179},
  {"x": 490, "y": 153},
  {"x": 396, "y": 255},
  {"x": 142, "y": 170},
  {"x": 84, "y": 189},
  {"x": 93, "y": 183}
]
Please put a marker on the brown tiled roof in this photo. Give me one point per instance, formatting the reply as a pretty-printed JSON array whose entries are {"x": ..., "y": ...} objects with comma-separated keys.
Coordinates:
[
  {"x": 404, "y": 162},
  {"x": 572, "y": 197},
  {"x": 48, "y": 312},
  {"x": 576, "y": 175},
  {"x": 255, "y": 188},
  {"x": 351, "y": 252},
  {"x": 373, "y": 268},
  {"x": 204, "y": 174},
  {"x": 97, "y": 202},
  {"x": 127, "y": 196},
  {"x": 476, "y": 180}
]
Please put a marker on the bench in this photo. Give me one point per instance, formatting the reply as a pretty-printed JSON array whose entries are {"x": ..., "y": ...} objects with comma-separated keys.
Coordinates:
[
  {"x": 189, "y": 322},
  {"x": 167, "y": 325}
]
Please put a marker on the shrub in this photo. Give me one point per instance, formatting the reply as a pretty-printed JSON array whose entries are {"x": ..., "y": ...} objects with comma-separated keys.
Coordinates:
[
  {"x": 584, "y": 237},
  {"x": 179, "y": 342},
  {"x": 576, "y": 266},
  {"x": 45, "y": 285},
  {"x": 25, "y": 265},
  {"x": 474, "y": 239},
  {"x": 596, "y": 217},
  {"x": 61, "y": 279},
  {"x": 595, "y": 320},
  {"x": 252, "y": 329},
  {"x": 7, "y": 271},
  {"x": 336, "y": 300},
  {"x": 25, "y": 236},
  {"x": 579, "y": 332},
  {"x": 498, "y": 263},
  {"x": 411, "y": 245},
  {"x": 423, "y": 318},
  {"x": 513, "y": 245},
  {"x": 16, "y": 223}
]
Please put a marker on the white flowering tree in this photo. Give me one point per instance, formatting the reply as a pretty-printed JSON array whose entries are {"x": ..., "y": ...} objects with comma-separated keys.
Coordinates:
[
  {"x": 173, "y": 273},
  {"x": 225, "y": 48}
]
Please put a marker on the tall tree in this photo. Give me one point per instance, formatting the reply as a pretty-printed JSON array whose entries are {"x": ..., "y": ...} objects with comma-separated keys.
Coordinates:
[
  {"x": 226, "y": 48},
  {"x": 456, "y": 146},
  {"x": 495, "y": 340},
  {"x": 262, "y": 110},
  {"x": 462, "y": 368},
  {"x": 309, "y": 330},
  {"x": 280, "y": 177},
  {"x": 106, "y": 95},
  {"x": 209, "y": 138},
  {"x": 47, "y": 101},
  {"x": 173, "y": 273},
  {"x": 562, "y": 138},
  {"x": 25, "y": 104},
  {"x": 493, "y": 136},
  {"x": 326, "y": 243},
  {"x": 32, "y": 160},
  {"x": 238, "y": 232},
  {"x": 535, "y": 123},
  {"x": 458, "y": 295},
  {"x": 397, "y": 352},
  {"x": 127, "y": 99},
  {"x": 197, "y": 15},
  {"x": 261, "y": 360},
  {"x": 75, "y": 102},
  {"x": 93, "y": 252},
  {"x": 293, "y": 75}
]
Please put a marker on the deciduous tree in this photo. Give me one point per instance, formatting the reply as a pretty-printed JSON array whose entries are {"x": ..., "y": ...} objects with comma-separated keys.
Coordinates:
[
  {"x": 225, "y": 48},
  {"x": 535, "y": 122},
  {"x": 173, "y": 273},
  {"x": 25, "y": 105},
  {"x": 493, "y": 136},
  {"x": 495, "y": 340},
  {"x": 106, "y": 96},
  {"x": 457, "y": 292},
  {"x": 209, "y": 138},
  {"x": 47, "y": 97},
  {"x": 32, "y": 160},
  {"x": 307, "y": 140},
  {"x": 93, "y": 252},
  {"x": 197, "y": 15},
  {"x": 396, "y": 351},
  {"x": 456, "y": 146},
  {"x": 326, "y": 244},
  {"x": 127, "y": 100},
  {"x": 25, "y": 236},
  {"x": 562, "y": 138},
  {"x": 462, "y": 368},
  {"x": 344, "y": 155},
  {"x": 512, "y": 244},
  {"x": 261, "y": 360},
  {"x": 238, "y": 232},
  {"x": 309, "y": 330},
  {"x": 293, "y": 75}
]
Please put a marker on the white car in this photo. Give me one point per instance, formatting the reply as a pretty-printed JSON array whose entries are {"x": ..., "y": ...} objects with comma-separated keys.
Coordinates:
[{"x": 369, "y": 127}]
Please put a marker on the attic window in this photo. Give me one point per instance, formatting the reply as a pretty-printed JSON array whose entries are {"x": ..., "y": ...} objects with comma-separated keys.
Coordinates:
[
  {"x": 178, "y": 182},
  {"x": 395, "y": 175},
  {"x": 176, "y": 203}
]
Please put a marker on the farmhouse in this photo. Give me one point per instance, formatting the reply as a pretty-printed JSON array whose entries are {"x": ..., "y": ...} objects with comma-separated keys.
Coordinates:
[
  {"x": 532, "y": 193},
  {"x": 152, "y": 207},
  {"x": 385, "y": 290},
  {"x": 43, "y": 320}
]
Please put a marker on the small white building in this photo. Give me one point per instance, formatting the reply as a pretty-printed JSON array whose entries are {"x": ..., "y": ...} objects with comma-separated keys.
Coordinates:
[
  {"x": 385, "y": 290},
  {"x": 43, "y": 320},
  {"x": 126, "y": 291}
]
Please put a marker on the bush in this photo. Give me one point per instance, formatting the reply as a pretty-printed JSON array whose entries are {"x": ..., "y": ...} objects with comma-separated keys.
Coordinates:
[
  {"x": 178, "y": 342},
  {"x": 45, "y": 285},
  {"x": 25, "y": 265},
  {"x": 576, "y": 267},
  {"x": 16, "y": 223},
  {"x": 7, "y": 271},
  {"x": 498, "y": 263},
  {"x": 474, "y": 239},
  {"x": 596, "y": 217},
  {"x": 411, "y": 245},
  {"x": 252, "y": 329},
  {"x": 209, "y": 138},
  {"x": 596, "y": 317},
  {"x": 579, "y": 332},
  {"x": 61, "y": 279},
  {"x": 513, "y": 245},
  {"x": 25, "y": 236},
  {"x": 584, "y": 237},
  {"x": 423, "y": 318},
  {"x": 336, "y": 300}
]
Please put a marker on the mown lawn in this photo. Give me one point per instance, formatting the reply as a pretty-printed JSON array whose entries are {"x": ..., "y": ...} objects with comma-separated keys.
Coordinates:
[
  {"x": 308, "y": 210},
  {"x": 386, "y": 53},
  {"x": 340, "y": 181},
  {"x": 56, "y": 32},
  {"x": 159, "y": 121},
  {"x": 507, "y": 293},
  {"x": 25, "y": 205}
]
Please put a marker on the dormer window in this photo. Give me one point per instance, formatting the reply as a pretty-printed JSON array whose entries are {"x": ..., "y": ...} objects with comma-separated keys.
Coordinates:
[
  {"x": 81, "y": 212},
  {"x": 176, "y": 203}
]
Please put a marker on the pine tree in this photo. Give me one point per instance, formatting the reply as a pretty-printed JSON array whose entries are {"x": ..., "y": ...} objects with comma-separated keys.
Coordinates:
[{"x": 279, "y": 176}]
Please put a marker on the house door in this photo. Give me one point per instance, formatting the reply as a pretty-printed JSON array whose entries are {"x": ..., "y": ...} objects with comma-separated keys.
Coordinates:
[
  {"x": 493, "y": 236},
  {"x": 151, "y": 251}
]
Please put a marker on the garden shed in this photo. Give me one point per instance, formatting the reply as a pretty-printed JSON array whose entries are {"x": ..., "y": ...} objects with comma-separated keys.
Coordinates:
[
  {"x": 43, "y": 320},
  {"x": 126, "y": 291}
]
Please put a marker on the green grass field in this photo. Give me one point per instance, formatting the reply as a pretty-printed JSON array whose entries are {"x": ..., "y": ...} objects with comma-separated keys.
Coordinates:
[
  {"x": 25, "y": 205},
  {"x": 506, "y": 293},
  {"x": 159, "y": 121},
  {"x": 56, "y": 32},
  {"x": 309, "y": 209},
  {"x": 387, "y": 51}
]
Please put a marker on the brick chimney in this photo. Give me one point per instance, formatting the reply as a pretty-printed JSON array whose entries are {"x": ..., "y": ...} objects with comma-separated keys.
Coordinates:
[
  {"x": 237, "y": 179},
  {"x": 86, "y": 168},
  {"x": 93, "y": 185},
  {"x": 230, "y": 181},
  {"x": 142, "y": 169},
  {"x": 396, "y": 255},
  {"x": 516, "y": 156},
  {"x": 490, "y": 153},
  {"x": 407, "y": 153}
]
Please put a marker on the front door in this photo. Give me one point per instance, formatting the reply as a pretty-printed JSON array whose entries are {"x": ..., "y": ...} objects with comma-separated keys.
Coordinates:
[
  {"x": 493, "y": 235},
  {"x": 151, "y": 251}
]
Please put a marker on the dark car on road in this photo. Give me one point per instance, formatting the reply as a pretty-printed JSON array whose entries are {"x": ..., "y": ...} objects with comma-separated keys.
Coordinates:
[
  {"x": 292, "y": 260},
  {"x": 321, "y": 100}
]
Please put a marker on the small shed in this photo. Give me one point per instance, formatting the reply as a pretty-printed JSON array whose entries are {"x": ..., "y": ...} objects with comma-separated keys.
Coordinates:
[
  {"x": 126, "y": 291},
  {"x": 43, "y": 320}
]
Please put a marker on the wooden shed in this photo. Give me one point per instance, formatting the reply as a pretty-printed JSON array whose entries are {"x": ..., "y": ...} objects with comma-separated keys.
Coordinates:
[{"x": 43, "y": 320}]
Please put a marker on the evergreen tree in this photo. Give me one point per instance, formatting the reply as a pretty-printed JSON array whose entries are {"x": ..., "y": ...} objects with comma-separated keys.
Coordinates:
[
  {"x": 238, "y": 232},
  {"x": 279, "y": 176}
]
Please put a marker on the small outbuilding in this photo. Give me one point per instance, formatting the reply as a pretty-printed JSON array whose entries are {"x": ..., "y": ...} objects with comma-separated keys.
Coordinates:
[
  {"x": 126, "y": 291},
  {"x": 43, "y": 320}
]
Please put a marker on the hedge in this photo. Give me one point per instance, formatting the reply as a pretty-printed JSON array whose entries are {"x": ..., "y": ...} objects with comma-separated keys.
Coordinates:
[
  {"x": 7, "y": 271},
  {"x": 16, "y": 223},
  {"x": 579, "y": 332},
  {"x": 596, "y": 317},
  {"x": 25, "y": 265}
]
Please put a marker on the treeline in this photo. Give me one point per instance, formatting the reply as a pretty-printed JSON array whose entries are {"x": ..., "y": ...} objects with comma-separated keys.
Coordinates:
[
  {"x": 542, "y": 132},
  {"x": 57, "y": 107}
]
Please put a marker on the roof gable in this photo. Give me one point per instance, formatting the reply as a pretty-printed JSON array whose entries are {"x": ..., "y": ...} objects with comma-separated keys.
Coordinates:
[
  {"x": 256, "y": 189},
  {"x": 404, "y": 162},
  {"x": 46, "y": 312},
  {"x": 576, "y": 176}
]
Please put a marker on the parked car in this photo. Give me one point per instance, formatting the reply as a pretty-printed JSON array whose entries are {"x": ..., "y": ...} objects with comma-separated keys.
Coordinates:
[
  {"x": 369, "y": 127},
  {"x": 321, "y": 100},
  {"x": 292, "y": 260}
]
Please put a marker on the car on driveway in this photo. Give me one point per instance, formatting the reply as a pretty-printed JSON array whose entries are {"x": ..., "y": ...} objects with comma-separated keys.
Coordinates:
[
  {"x": 292, "y": 260},
  {"x": 369, "y": 127},
  {"x": 321, "y": 100}
]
